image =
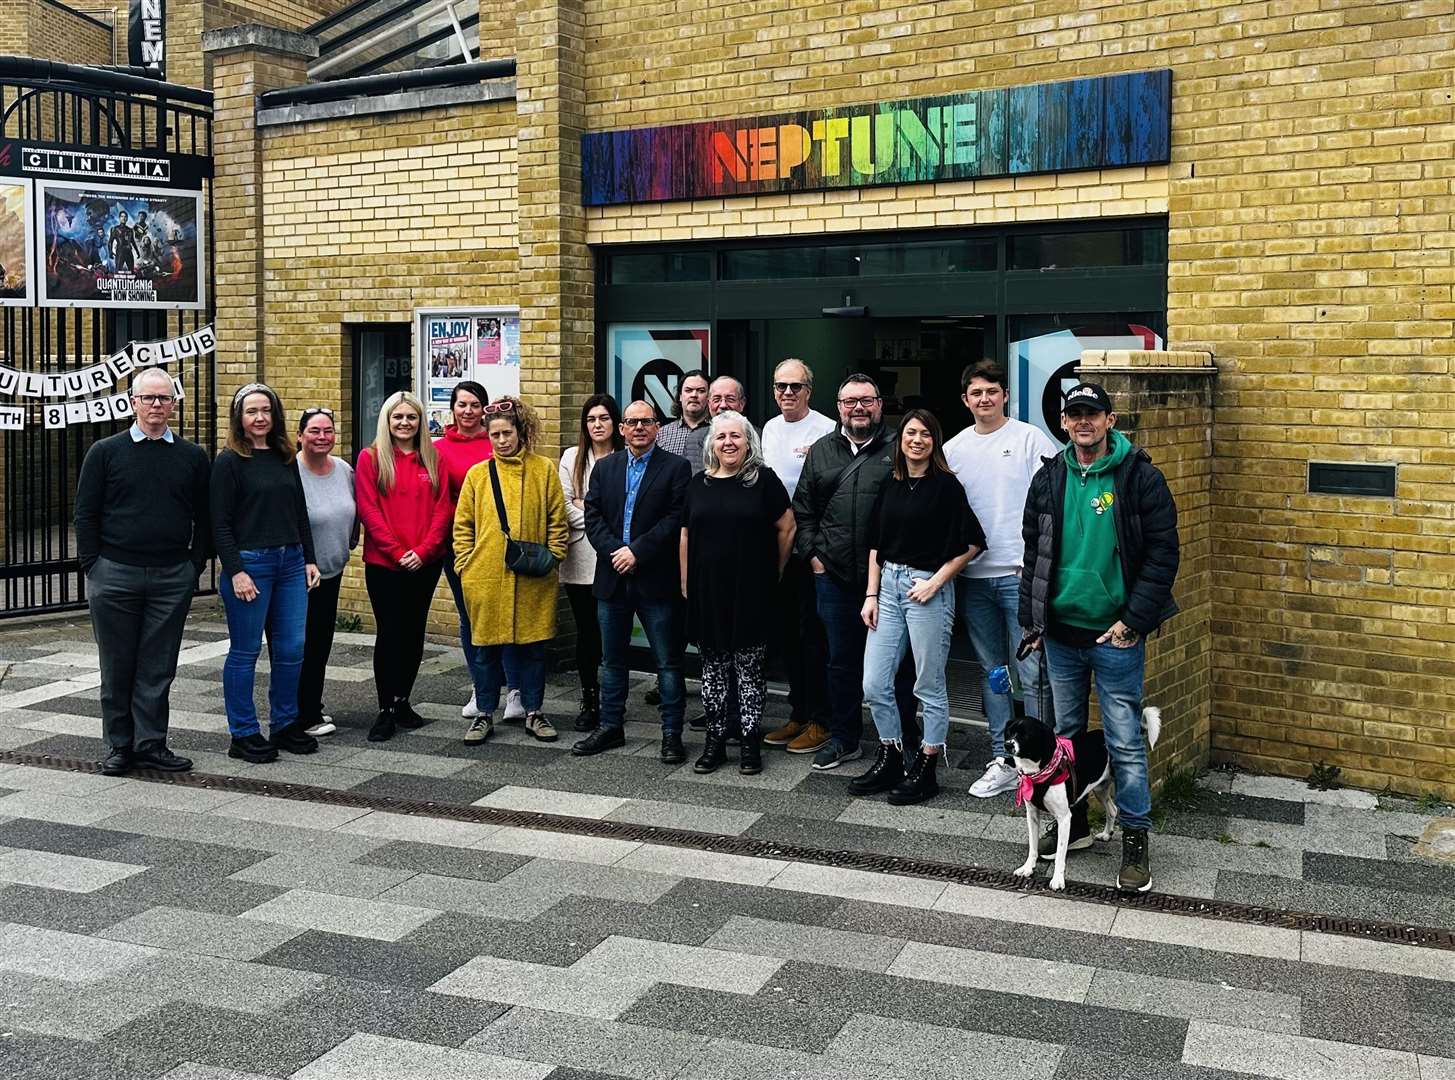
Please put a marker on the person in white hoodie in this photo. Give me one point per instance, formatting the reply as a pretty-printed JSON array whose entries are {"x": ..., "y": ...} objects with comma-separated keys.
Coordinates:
[{"x": 995, "y": 461}]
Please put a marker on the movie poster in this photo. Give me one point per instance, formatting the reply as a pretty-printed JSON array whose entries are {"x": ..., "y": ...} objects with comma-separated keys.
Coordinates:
[
  {"x": 121, "y": 247},
  {"x": 17, "y": 256}
]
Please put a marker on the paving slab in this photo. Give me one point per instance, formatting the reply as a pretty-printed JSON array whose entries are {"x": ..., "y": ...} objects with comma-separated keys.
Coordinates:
[
  {"x": 681, "y": 965},
  {"x": 493, "y": 898},
  {"x": 1055, "y": 981},
  {"x": 72, "y": 957},
  {"x": 1274, "y": 941},
  {"x": 687, "y": 816},
  {"x": 1236, "y": 1006},
  {"x": 1363, "y": 955},
  {"x": 789, "y": 941},
  {"x": 547, "y": 801},
  {"x": 540, "y": 986},
  {"x": 293, "y": 871},
  {"x": 603, "y": 851},
  {"x": 424, "y": 830},
  {"x": 1292, "y": 1057},
  {"x": 554, "y": 877},
  {"x": 69, "y": 872},
  {"x": 308, "y": 910},
  {"x": 858, "y": 885},
  {"x": 397, "y": 761},
  {"x": 625, "y": 1049},
  {"x": 374, "y": 1057},
  {"x": 200, "y": 932},
  {"x": 708, "y": 865},
  {"x": 1027, "y": 908},
  {"x": 921, "y": 1049},
  {"x": 291, "y": 812}
]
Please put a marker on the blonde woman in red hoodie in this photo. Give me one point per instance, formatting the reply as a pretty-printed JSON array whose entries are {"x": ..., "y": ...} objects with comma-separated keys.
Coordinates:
[{"x": 404, "y": 502}]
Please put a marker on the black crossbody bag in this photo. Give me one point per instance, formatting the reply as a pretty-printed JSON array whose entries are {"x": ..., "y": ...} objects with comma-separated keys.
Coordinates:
[{"x": 521, "y": 556}]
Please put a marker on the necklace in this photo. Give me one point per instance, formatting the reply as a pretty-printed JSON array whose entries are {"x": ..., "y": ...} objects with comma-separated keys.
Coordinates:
[{"x": 913, "y": 481}]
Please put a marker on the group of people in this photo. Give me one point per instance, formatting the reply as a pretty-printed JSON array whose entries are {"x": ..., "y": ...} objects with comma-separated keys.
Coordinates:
[{"x": 849, "y": 549}]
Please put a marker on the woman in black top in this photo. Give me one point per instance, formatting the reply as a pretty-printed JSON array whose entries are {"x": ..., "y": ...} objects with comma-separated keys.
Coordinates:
[
  {"x": 260, "y": 529},
  {"x": 737, "y": 532},
  {"x": 922, "y": 532}
]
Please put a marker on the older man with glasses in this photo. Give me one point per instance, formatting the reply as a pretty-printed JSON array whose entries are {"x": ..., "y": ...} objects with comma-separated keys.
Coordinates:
[{"x": 143, "y": 537}]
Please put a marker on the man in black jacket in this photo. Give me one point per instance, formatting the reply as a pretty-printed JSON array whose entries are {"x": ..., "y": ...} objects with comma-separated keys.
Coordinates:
[
  {"x": 1100, "y": 559},
  {"x": 634, "y": 521},
  {"x": 832, "y": 503}
]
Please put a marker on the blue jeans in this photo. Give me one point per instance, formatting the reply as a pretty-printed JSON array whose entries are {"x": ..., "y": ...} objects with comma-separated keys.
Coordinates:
[
  {"x": 280, "y": 608},
  {"x": 660, "y": 621},
  {"x": 1119, "y": 692},
  {"x": 989, "y": 609},
  {"x": 925, "y": 630},
  {"x": 839, "y": 611},
  {"x": 474, "y": 661},
  {"x": 525, "y": 663}
]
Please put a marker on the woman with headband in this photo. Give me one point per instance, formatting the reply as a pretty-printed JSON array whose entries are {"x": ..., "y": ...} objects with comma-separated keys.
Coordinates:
[
  {"x": 404, "y": 503},
  {"x": 261, "y": 531}
]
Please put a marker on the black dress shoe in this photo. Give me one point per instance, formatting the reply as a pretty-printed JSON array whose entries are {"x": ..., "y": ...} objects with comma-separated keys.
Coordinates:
[
  {"x": 406, "y": 717},
  {"x": 161, "y": 758},
  {"x": 750, "y": 757},
  {"x": 253, "y": 748},
  {"x": 294, "y": 739},
  {"x": 600, "y": 740},
  {"x": 673, "y": 752},
  {"x": 383, "y": 729},
  {"x": 117, "y": 762}
]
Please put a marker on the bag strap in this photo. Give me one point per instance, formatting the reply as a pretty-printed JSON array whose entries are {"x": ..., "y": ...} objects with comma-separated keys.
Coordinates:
[
  {"x": 499, "y": 501},
  {"x": 849, "y": 470}
]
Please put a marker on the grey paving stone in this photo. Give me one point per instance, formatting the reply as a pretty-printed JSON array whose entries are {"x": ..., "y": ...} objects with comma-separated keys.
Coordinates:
[
  {"x": 1292, "y": 1057},
  {"x": 217, "y": 860},
  {"x": 373, "y": 1057},
  {"x": 781, "y": 1020},
  {"x": 549, "y": 940},
  {"x": 684, "y": 816},
  {"x": 425, "y": 788},
  {"x": 921, "y": 1049},
  {"x": 1274, "y": 941},
  {"x": 552, "y": 877},
  {"x": 1085, "y": 1063},
  {"x": 731, "y": 1059},
  {"x": 195, "y": 888},
  {"x": 539, "y": 843},
  {"x": 601, "y": 995},
  {"x": 72, "y": 957},
  {"x": 55, "y": 807},
  {"x": 191, "y": 1070},
  {"x": 497, "y": 899},
  {"x": 366, "y": 959},
  {"x": 72, "y": 873},
  {"x": 308, "y": 910},
  {"x": 419, "y": 829},
  {"x": 1415, "y": 877},
  {"x": 1057, "y": 981},
  {"x": 929, "y": 818},
  {"x": 215, "y": 982},
  {"x": 681, "y": 965},
  {"x": 858, "y": 885},
  {"x": 625, "y": 1049},
  {"x": 231, "y": 1040},
  {"x": 46, "y": 1006},
  {"x": 446, "y": 861},
  {"x": 402, "y": 762},
  {"x": 1357, "y": 1008},
  {"x": 64, "y": 839},
  {"x": 394, "y": 1011},
  {"x": 12, "y": 738},
  {"x": 231, "y": 832},
  {"x": 719, "y": 900},
  {"x": 39, "y": 1057},
  {"x": 707, "y": 865},
  {"x": 790, "y": 941},
  {"x": 53, "y": 909},
  {"x": 291, "y": 871},
  {"x": 1218, "y": 1003},
  {"x": 1362, "y": 955},
  {"x": 1368, "y": 901},
  {"x": 548, "y": 801},
  {"x": 200, "y": 932},
  {"x": 305, "y": 815},
  {"x": 1024, "y": 907}
]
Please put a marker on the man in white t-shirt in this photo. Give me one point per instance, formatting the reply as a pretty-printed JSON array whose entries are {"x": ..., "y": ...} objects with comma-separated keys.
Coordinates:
[
  {"x": 995, "y": 461},
  {"x": 786, "y": 439}
]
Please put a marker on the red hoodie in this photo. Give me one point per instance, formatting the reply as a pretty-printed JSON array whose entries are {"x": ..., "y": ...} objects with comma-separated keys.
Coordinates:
[
  {"x": 459, "y": 452},
  {"x": 411, "y": 517}
]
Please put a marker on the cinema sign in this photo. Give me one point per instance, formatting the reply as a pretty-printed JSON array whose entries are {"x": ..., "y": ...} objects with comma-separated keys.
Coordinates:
[{"x": 1105, "y": 122}]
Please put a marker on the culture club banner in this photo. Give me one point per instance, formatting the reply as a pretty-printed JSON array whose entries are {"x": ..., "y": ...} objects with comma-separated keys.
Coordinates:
[
  {"x": 112, "y": 246},
  {"x": 1095, "y": 123}
]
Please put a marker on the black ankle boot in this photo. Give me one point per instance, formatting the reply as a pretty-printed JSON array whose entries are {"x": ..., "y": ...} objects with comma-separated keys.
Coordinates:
[
  {"x": 714, "y": 753},
  {"x": 750, "y": 757},
  {"x": 920, "y": 783},
  {"x": 885, "y": 773},
  {"x": 590, "y": 714}
]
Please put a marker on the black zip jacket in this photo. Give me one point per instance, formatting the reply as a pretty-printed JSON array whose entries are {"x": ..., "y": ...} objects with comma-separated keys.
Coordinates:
[
  {"x": 833, "y": 518},
  {"x": 1146, "y": 526}
]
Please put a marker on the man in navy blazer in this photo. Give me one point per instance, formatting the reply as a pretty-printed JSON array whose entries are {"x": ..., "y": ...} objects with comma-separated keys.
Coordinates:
[{"x": 633, "y": 520}]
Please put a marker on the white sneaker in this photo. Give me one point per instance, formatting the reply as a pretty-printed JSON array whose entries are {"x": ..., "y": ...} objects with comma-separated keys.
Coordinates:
[
  {"x": 998, "y": 778},
  {"x": 514, "y": 710},
  {"x": 470, "y": 710},
  {"x": 325, "y": 726}
]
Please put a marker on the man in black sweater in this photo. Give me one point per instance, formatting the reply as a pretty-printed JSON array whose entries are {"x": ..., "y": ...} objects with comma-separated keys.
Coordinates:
[{"x": 143, "y": 537}]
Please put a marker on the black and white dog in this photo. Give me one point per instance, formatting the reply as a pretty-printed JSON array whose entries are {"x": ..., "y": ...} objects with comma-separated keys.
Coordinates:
[{"x": 1056, "y": 774}]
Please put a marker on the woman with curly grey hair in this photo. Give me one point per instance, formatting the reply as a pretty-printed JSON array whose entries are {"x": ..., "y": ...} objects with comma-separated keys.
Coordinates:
[{"x": 737, "y": 532}]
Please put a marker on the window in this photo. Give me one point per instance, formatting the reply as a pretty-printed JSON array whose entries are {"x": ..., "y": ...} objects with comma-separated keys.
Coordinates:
[
  {"x": 1068, "y": 250},
  {"x": 659, "y": 266},
  {"x": 382, "y": 366},
  {"x": 860, "y": 260}
]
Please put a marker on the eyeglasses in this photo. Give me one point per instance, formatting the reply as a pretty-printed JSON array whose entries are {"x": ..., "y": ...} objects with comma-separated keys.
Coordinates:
[
  {"x": 504, "y": 405},
  {"x": 317, "y": 410},
  {"x": 789, "y": 387},
  {"x": 155, "y": 399},
  {"x": 639, "y": 421},
  {"x": 858, "y": 402}
]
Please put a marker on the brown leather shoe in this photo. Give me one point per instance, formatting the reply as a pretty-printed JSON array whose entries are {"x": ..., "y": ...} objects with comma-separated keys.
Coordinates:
[
  {"x": 811, "y": 739},
  {"x": 786, "y": 734}
]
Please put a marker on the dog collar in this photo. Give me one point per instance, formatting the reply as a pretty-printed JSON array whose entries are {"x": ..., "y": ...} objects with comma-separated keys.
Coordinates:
[{"x": 1057, "y": 770}]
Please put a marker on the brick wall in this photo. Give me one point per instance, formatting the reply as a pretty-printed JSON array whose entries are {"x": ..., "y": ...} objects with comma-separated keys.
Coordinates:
[
  {"x": 51, "y": 30},
  {"x": 187, "y": 19}
]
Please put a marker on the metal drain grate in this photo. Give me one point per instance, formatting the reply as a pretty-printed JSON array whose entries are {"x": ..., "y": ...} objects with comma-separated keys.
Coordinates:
[{"x": 983, "y": 877}]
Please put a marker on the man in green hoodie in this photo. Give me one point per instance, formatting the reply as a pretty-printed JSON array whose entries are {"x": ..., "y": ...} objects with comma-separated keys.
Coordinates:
[{"x": 1101, "y": 557}]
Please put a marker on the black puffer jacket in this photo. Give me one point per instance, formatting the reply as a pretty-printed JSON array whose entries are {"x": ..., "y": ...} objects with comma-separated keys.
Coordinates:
[
  {"x": 833, "y": 518},
  {"x": 1146, "y": 525}
]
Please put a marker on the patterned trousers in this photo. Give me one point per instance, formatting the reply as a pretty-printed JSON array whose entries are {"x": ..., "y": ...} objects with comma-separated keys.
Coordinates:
[{"x": 721, "y": 672}]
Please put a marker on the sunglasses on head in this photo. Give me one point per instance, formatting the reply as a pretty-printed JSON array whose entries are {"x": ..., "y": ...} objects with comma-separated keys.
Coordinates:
[
  {"x": 504, "y": 405},
  {"x": 317, "y": 410}
]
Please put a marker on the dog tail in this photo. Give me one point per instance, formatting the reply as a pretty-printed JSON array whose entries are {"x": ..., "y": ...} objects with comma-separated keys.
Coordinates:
[{"x": 1152, "y": 721}]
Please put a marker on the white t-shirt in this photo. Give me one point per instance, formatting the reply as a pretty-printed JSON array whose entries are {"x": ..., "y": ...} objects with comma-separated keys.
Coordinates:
[
  {"x": 996, "y": 472},
  {"x": 786, "y": 445}
]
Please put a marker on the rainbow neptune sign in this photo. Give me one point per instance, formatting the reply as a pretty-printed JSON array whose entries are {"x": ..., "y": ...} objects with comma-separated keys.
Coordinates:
[{"x": 1098, "y": 123}]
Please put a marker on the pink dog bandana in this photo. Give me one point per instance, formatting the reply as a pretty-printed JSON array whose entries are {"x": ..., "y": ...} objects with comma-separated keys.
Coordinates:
[{"x": 1056, "y": 770}]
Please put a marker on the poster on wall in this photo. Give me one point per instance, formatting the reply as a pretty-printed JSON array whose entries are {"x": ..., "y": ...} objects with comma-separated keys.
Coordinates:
[
  {"x": 1043, "y": 368},
  {"x": 646, "y": 361},
  {"x": 120, "y": 247},
  {"x": 497, "y": 354},
  {"x": 17, "y": 245},
  {"x": 483, "y": 345}
]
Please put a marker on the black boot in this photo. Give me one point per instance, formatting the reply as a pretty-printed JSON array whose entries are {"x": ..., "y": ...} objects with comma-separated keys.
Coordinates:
[
  {"x": 714, "y": 753},
  {"x": 920, "y": 783},
  {"x": 750, "y": 757},
  {"x": 590, "y": 714},
  {"x": 885, "y": 773}
]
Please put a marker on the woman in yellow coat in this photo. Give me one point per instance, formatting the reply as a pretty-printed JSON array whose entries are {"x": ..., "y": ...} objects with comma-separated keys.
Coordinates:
[{"x": 512, "y": 616}]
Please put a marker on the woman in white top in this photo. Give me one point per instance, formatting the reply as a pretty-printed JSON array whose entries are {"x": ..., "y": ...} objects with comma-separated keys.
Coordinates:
[{"x": 600, "y": 436}]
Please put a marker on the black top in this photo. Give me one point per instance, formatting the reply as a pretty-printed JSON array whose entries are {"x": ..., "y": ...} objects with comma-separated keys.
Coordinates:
[
  {"x": 143, "y": 503},
  {"x": 257, "y": 502},
  {"x": 924, "y": 522},
  {"x": 732, "y": 558}
]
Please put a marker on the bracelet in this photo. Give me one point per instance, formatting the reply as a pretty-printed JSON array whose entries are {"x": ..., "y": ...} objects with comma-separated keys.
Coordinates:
[{"x": 871, "y": 596}]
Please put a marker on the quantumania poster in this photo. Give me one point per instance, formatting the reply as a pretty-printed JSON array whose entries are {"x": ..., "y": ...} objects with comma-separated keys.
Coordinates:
[
  {"x": 120, "y": 247},
  {"x": 16, "y": 285}
]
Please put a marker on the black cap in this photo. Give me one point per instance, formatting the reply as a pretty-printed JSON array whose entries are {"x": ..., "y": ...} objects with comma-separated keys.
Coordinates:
[{"x": 1087, "y": 395}]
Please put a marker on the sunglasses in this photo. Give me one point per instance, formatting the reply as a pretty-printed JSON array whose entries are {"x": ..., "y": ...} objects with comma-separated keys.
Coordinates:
[
  {"x": 789, "y": 387},
  {"x": 317, "y": 410},
  {"x": 505, "y": 405}
]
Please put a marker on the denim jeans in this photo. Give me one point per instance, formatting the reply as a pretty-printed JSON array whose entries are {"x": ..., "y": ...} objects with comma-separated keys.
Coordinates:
[
  {"x": 526, "y": 663},
  {"x": 989, "y": 609},
  {"x": 839, "y": 611},
  {"x": 473, "y": 660},
  {"x": 925, "y": 630},
  {"x": 1119, "y": 692},
  {"x": 280, "y": 608},
  {"x": 660, "y": 621}
]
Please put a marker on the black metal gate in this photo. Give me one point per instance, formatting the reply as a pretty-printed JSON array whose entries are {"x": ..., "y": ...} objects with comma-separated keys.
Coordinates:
[{"x": 95, "y": 112}]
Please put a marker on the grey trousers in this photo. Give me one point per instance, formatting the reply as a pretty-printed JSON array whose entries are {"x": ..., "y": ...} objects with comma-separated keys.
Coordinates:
[{"x": 137, "y": 614}]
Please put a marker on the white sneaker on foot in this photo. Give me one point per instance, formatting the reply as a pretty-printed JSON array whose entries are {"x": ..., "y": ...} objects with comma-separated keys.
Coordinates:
[
  {"x": 514, "y": 710},
  {"x": 325, "y": 726},
  {"x": 470, "y": 710},
  {"x": 998, "y": 777}
]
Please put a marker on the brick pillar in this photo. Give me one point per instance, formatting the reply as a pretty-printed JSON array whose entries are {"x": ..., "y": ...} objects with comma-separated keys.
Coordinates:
[
  {"x": 557, "y": 366},
  {"x": 246, "y": 61},
  {"x": 1164, "y": 403}
]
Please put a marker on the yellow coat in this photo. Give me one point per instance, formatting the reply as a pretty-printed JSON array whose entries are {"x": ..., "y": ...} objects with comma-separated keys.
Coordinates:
[{"x": 507, "y": 608}]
